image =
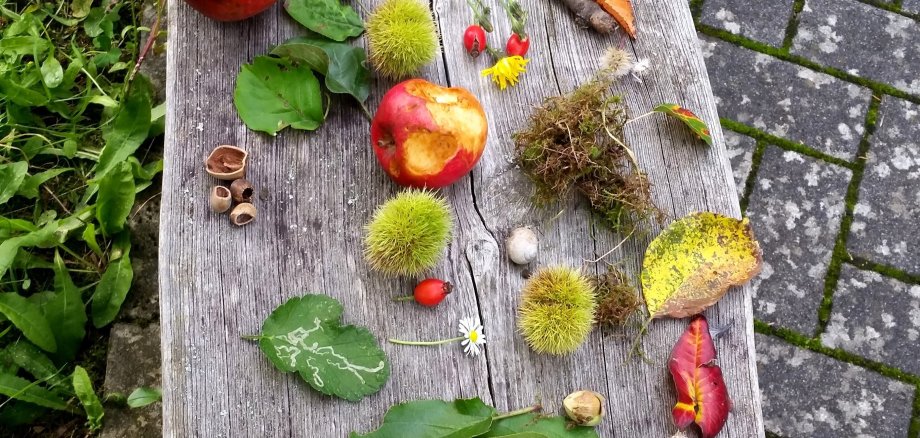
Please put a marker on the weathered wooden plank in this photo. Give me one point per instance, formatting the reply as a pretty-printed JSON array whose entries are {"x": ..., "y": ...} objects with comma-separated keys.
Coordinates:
[{"x": 317, "y": 190}]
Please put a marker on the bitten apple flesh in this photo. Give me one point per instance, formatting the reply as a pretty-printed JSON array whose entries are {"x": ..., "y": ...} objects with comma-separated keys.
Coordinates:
[
  {"x": 426, "y": 135},
  {"x": 230, "y": 10}
]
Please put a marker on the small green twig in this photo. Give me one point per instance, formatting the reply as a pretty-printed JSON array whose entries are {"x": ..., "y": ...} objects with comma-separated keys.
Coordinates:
[
  {"x": 366, "y": 112},
  {"x": 482, "y": 14},
  {"x": 636, "y": 348},
  {"x": 404, "y": 298},
  {"x": 252, "y": 337}
]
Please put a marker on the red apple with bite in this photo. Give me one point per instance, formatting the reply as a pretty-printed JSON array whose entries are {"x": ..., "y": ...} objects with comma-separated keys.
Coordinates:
[
  {"x": 426, "y": 135},
  {"x": 230, "y": 10}
]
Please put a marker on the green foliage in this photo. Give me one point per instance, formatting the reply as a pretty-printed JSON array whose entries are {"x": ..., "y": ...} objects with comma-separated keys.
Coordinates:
[
  {"x": 557, "y": 310},
  {"x": 342, "y": 65},
  {"x": 272, "y": 94},
  {"x": 73, "y": 129},
  {"x": 468, "y": 418},
  {"x": 306, "y": 335},
  {"x": 402, "y": 38},
  {"x": 408, "y": 234},
  {"x": 144, "y": 396},
  {"x": 328, "y": 18},
  {"x": 83, "y": 387}
]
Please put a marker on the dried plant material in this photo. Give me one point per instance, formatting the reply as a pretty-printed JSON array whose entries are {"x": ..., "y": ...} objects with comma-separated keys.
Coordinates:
[
  {"x": 692, "y": 263},
  {"x": 220, "y": 199},
  {"x": 227, "y": 163},
  {"x": 617, "y": 299},
  {"x": 243, "y": 214},
  {"x": 576, "y": 141},
  {"x": 622, "y": 12},
  {"x": 701, "y": 394},
  {"x": 697, "y": 125}
]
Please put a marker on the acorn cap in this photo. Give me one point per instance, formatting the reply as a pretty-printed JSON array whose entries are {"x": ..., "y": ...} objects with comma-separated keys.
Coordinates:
[{"x": 227, "y": 163}]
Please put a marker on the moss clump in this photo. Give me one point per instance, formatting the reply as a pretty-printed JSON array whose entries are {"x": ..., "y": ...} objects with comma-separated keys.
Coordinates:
[
  {"x": 557, "y": 310},
  {"x": 617, "y": 299},
  {"x": 408, "y": 233},
  {"x": 402, "y": 38},
  {"x": 576, "y": 141}
]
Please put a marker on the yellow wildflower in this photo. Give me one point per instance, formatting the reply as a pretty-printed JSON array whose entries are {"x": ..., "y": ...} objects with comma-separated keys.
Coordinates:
[{"x": 506, "y": 71}]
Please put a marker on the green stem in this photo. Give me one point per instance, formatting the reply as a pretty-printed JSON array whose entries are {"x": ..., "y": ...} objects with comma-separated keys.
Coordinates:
[
  {"x": 426, "y": 343},
  {"x": 404, "y": 298},
  {"x": 365, "y": 111},
  {"x": 252, "y": 337},
  {"x": 527, "y": 410}
]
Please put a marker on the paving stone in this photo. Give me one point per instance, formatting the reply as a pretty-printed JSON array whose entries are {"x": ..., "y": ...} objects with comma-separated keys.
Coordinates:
[
  {"x": 142, "y": 305},
  {"x": 796, "y": 209},
  {"x": 806, "y": 394},
  {"x": 785, "y": 99},
  {"x": 861, "y": 39},
  {"x": 133, "y": 361},
  {"x": 885, "y": 226},
  {"x": 911, "y": 6},
  {"x": 763, "y": 21},
  {"x": 876, "y": 317},
  {"x": 740, "y": 149}
]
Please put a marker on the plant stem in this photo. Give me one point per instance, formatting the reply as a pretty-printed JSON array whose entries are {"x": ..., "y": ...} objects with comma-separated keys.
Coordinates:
[
  {"x": 426, "y": 343},
  {"x": 527, "y": 410},
  {"x": 252, "y": 337},
  {"x": 639, "y": 118},
  {"x": 404, "y": 298},
  {"x": 366, "y": 112}
]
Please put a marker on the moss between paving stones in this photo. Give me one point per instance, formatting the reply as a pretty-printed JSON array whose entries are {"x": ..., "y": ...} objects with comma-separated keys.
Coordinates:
[
  {"x": 783, "y": 143},
  {"x": 756, "y": 159},
  {"x": 793, "y": 28},
  {"x": 840, "y": 247}
]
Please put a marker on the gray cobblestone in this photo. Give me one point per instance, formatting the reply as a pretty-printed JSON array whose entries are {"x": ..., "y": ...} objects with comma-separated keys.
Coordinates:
[
  {"x": 763, "y": 21},
  {"x": 806, "y": 394},
  {"x": 740, "y": 150},
  {"x": 886, "y": 220},
  {"x": 876, "y": 317},
  {"x": 911, "y": 6},
  {"x": 796, "y": 209},
  {"x": 785, "y": 99},
  {"x": 861, "y": 39}
]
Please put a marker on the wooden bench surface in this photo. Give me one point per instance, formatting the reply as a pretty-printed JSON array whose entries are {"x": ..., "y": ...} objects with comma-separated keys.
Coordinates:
[{"x": 316, "y": 191}]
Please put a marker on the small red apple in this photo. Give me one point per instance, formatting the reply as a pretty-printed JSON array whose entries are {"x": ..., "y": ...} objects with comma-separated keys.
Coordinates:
[
  {"x": 230, "y": 10},
  {"x": 426, "y": 135}
]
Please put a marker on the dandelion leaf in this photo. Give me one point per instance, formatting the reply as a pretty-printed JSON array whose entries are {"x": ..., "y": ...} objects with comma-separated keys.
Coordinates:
[
  {"x": 305, "y": 335},
  {"x": 692, "y": 263}
]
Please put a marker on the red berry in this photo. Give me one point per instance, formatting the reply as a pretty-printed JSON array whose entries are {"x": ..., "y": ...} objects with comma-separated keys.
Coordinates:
[
  {"x": 432, "y": 291},
  {"x": 474, "y": 39},
  {"x": 517, "y": 46}
]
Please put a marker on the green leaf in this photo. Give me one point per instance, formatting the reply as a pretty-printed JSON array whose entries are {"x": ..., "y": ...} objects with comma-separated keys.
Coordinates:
[
  {"x": 17, "y": 413},
  {"x": 115, "y": 198},
  {"x": 271, "y": 94},
  {"x": 305, "y": 335},
  {"x": 80, "y": 8},
  {"x": 52, "y": 73},
  {"x": 89, "y": 236},
  {"x": 28, "y": 318},
  {"x": 24, "y": 390},
  {"x": 143, "y": 396},
  {"x": 35, "y": 362},
  {"x": 111, "y": 291},
  {"x": 21, "y": 95},
  {"x": 24, "y": 45},
  {"x": 65, "y": 313},
  {"x": 11, "y": 177},
  {"x": 435, "y": 419},
  {"x": 697, "y": 125},
  {"x": 328, "y": 18},
  {"x": 129, "y": 129},
  {"x": 83, "y": 387},
  {"x": 534, "y": 425},
  {"x": 9, "y": 248},
  {"x": 342, "y": 65},
  {"x": 30, "y": 185}
]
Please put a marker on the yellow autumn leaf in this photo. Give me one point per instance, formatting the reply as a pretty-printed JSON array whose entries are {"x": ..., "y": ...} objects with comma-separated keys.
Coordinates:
[{"x": 692, "y": 263}]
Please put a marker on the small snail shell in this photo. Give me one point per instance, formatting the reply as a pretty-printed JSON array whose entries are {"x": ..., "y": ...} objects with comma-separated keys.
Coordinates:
[{"x": 522, "y": 245}]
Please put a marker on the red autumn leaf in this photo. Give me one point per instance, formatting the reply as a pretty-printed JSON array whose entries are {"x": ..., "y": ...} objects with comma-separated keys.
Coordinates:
[
  {"x": 701, "y": 394},
  {"x": 697, "y": 125}
]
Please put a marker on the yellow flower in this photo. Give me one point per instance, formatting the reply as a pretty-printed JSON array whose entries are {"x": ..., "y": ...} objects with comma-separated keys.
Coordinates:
[{"x": 507, "y": 70}]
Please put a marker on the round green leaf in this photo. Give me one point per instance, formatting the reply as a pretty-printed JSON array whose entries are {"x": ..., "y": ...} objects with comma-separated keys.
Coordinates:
[
  {"x": 305, "y": 335},
  {"x": 272, "y": 94},
  {"x": 435, "y": 419}
]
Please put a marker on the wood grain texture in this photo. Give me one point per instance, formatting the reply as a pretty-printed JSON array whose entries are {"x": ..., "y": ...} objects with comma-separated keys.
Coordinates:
[{"x": 315, "y": 192}]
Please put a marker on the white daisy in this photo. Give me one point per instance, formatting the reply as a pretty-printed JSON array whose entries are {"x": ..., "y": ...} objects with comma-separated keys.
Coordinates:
[{"x": 473, "y": 338}]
